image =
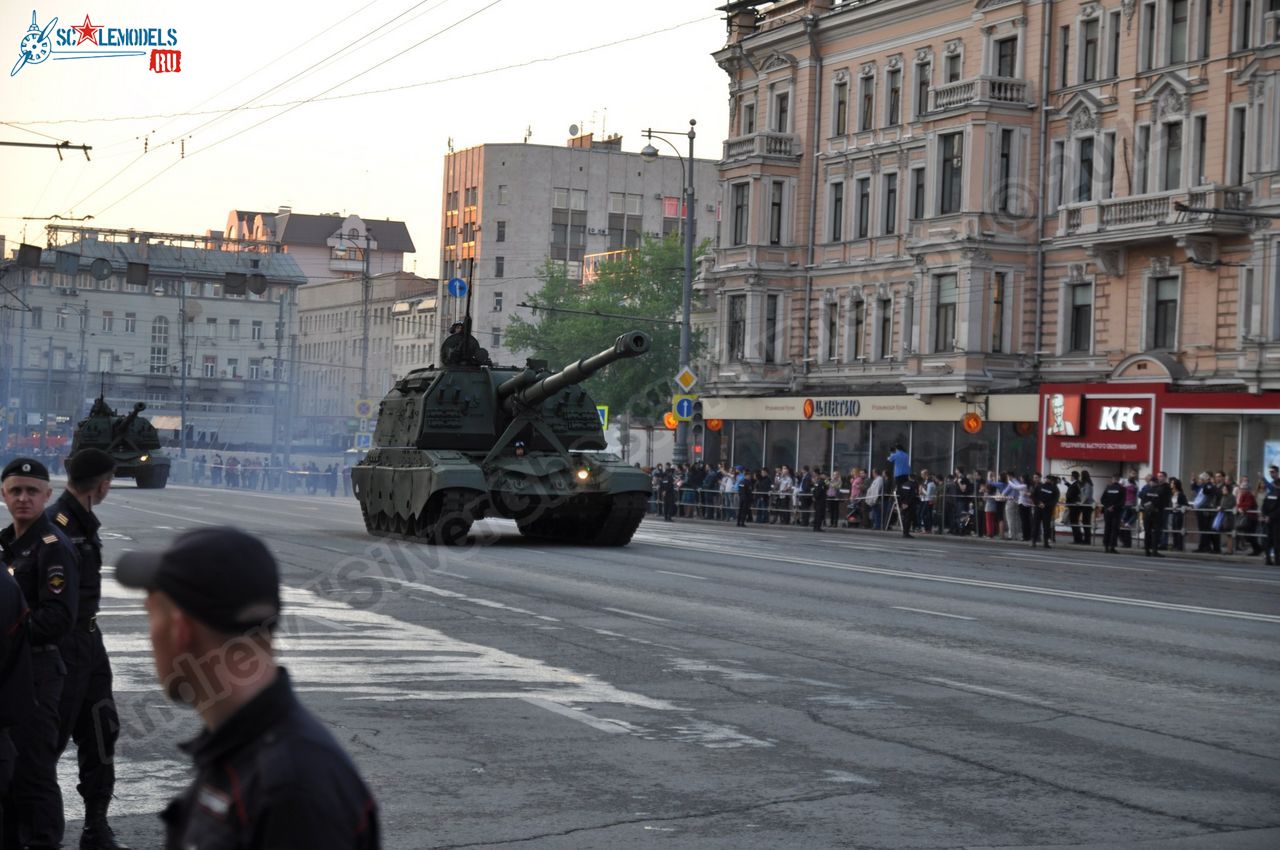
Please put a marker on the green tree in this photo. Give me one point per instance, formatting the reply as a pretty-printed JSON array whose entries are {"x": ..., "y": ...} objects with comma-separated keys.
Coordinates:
[{"x": 645, "y": 283}]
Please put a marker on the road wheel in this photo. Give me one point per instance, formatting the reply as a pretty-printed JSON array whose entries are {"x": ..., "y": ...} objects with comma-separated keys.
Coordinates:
[{"x": 454, "y": 522}]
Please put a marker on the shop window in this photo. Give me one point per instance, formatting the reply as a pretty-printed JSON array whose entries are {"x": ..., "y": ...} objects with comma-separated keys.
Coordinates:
[
  {"x": 815, "y": 445},
  {"x": 852, "y": 445},
  {"x": 781, "y": 445},
  {"x": 748, "y": 443}
]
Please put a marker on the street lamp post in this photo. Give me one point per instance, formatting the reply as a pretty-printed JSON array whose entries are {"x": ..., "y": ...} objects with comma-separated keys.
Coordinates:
[{"x": 649, "y": 154}]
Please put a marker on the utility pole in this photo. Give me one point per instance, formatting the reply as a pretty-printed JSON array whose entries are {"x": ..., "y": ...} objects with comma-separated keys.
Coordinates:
[
  {"x": 288, "y": 406},
  {"x": 366, "y": 285},
  {"x": 48, "y": 384},
  {"x": 275, "y": 372},
  {"x": 84, "y": 352},
  {"x": 182, "y": 367},
  {"x": 21, "y": 358}
]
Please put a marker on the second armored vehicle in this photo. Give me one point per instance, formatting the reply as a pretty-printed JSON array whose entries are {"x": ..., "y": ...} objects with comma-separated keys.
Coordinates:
[
  {"x": 131, "y": 440},
  {"x": 467, "y": 439}
]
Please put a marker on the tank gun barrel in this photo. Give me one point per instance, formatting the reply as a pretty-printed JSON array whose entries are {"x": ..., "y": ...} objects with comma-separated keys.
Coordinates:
[
  {"x": 630, "y": 344},
  {"x": 124, "y": 424}
]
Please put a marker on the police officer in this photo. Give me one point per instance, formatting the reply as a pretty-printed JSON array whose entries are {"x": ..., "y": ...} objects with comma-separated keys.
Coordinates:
[
  {"x": 45, "y": 567},
  {"x": 16, "y": 696},
  {"x": 820, "y": 485},
  {"x": 907, "y": 494},
  {"x": 1045, "y": 498},
  {"x": 268, "y": 773},
  {"x": 1153, "y": 501},
  {"x": 746, "y": 485},
  {"x": 87, "y": 711},
  {"x": 1270, "y": 511},
  {"x": 1112, "y": 502}
]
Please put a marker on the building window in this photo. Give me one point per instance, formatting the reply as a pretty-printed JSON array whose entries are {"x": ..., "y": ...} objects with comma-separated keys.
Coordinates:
[
  {"x": 497, "y": 301},
  {"x": 1141, "y": 150},
  {"x": 1147, "y": 34},
  {"x": 917, "y": 193},
  {"x": 495, "y": 337},
  {"x": 740, "y": 212},
  {"x": 1173, "y": 156},
  {"x": 1108, "y": 165},
  {"x": 60, "y": 320},
  {"x": 1080, "y": 321},
  {"x": 37, "y": 318},
  {"x": 884, "y": 307},
  {"x": 131, "y": 323},
  {"x": 771, "y": 328},
  {"x": 867, "y": 103},
  {"x": 233, "y": 329},
  {"x": 1064, "y": 56},
  {"x": 890, "y": 204},
  {"x": 1089, "y": 50},
  {"x": 502, "y": 231},
  {"x": 255, "y": 331},
  {"x": 923, "y": 72},
  {"x": 209, "y": 368},
  {"x": 837, "y": 212},
  {"x": 1004, "y": 183},
  {"x": 1007, "y": 57},
  {"x": 561, "y": 199},
  {"x": 504, "y": 194},
  {"x": 108, "y": 321},
  {"x": 864, "y": 207},
  {"x": 944, "y": 328},
  {"x": 499, "y": 266},
  {"x": 858, "y": 308},
  {"x": 781, "y": 111},
  {"x": 1165, "y": 320},
  {"x": 1197, "y": 167},
  {"x": 1113, "y": 54},
  {"x": 233, "y": 368},
  {"x": 1239, "y": 129},
  {"x": 952, "y": 173},
  {"x": 1206, "y": 28},
  {"x": 841, "y": 109},
  {"x": 160, "y": 346},
  {"x": 833, "y": 331},
  {"x": 104, "y": 360},
  {"x": 998, "y": 294},
  {"x": 953, "y": 67},
  {"x": 1178, "y": 30},
  {"x": 895, "y": 96},
  {"x": 775, "y": 212},
  {"x": 1244, "y": 25},
  {"x": 1084, "y": 173},
  {"x": 255, "y": 369},
  {"x": 623, "y": 203},
  {"x": 737, "y": 327},
  {"x": 748, "y": 118}
]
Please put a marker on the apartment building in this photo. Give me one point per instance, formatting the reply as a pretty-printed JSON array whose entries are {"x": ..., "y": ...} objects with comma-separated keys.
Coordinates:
[
  {"x": 928, "y": 214},
  {"x": 508, "y": 208},
  {"x": 121, "y": 308}
]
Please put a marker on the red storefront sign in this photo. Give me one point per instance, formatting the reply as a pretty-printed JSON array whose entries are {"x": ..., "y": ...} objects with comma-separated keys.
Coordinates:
[{"x": 1097, "y": 427}]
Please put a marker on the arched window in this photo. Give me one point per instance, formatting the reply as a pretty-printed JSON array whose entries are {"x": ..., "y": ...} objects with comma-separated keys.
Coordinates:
[{"x": 160, "y": 346}]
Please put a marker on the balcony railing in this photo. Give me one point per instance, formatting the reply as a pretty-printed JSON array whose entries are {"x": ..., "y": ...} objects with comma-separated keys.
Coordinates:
[
  {"x": 762, "y": 144},
  {"x": 1125, "y": 215},
  {"x": 979, "y": 90}
]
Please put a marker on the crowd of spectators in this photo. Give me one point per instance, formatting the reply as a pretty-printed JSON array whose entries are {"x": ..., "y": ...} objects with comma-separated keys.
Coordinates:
[{"x": 259, "y": 472}]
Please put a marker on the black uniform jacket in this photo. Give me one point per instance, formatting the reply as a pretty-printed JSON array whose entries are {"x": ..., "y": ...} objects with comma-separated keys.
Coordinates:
[
  {"x": 1113, "y": 496},
  {"x": 1046, "y": 496},
  {"x": 48, "y": 572},
  {"x": 81, "y": 528},
  {"x": 272, "y": 778},
  {"x": 17, "y": 695}
]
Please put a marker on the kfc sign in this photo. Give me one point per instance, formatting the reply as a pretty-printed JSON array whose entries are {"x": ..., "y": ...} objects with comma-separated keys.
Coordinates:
[{"x": 1102, "y": 427}]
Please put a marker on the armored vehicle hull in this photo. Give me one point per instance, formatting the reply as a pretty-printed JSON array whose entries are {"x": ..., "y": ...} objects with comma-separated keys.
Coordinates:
[
  {"x": 468, "y": 440},
  {"x": 131, "y": 440}
]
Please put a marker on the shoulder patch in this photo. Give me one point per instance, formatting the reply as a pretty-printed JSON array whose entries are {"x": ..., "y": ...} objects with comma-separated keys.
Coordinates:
[
  {"x": 61, "y": 519},
  {"x": 50, "y": 538},
  {"x": 57, "y": 579}
]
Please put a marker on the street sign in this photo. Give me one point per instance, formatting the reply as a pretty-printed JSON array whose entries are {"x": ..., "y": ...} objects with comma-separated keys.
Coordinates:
[
  {"x": 364, "y": 408},
  {"x": 682, "y": 407},
  {"x": 457, "y": 287},
  {"x": 685, "y": 379},
  {"x": 364, "y": 442},
  {"x": 366, "y": 426},
  {"x": 602, "y": 410}
]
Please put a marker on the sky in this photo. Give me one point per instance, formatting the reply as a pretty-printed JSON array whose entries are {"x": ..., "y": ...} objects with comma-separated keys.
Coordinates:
[{"x": 325, "y": 107}]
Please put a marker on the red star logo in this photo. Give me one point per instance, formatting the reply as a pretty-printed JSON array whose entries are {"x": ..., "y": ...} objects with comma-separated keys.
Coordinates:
[{"x": 87, "y": 31}]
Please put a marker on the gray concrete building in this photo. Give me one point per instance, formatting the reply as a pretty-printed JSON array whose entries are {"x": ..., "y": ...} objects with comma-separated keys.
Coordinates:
[{"x": 508, "y": 208}]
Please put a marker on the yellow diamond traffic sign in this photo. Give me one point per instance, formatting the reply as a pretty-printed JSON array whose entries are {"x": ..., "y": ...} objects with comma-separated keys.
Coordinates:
[{"x": 685, "y": 379}]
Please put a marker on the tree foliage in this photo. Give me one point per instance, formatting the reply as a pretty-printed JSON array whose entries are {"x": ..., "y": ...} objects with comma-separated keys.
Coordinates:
[{"x": 645, "y": 283}]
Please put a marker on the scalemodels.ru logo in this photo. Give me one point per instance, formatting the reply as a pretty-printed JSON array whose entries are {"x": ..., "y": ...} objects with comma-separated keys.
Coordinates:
[{"x": 97, "y": 41}]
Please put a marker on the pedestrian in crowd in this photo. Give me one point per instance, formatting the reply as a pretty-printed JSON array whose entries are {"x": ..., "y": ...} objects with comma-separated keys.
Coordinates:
[
  {"x": 233, "y": 473},
  {"x": 1026, "y": 506},
  {"x": 1178, "y": 505},
  {"x": 857, "y": 483},
  {"x": 1112, "y": 504},
  {"x": 215, "y": 470},
  {"x": 16, "y": 693},
  {"x": 1270, "y": 517},
  {"x": 1205, "y": 507},
  {"x": 268, "y": 772},
  {"x": 991, "y": 509},
  {"x": 1225, "y": 520},
  {"x": 928, "y": 497},
  {"x": 820, "y": 485},
  {"x": 667, "y": 492},
  {"x": 728, "y": 494},
  {"x": 907, "y": 495},
  {"x": 784, "y": 487},
  {"x": 835, "y": 483},
  {"x": 1086, "y": 506},
  {"x": 901, "y": 463},
  {"x": 87, "y": 709},
  {"x": 1014, "y": 490},
  {"x": 1247, "y": 517},
  {"x": 744, "y": 482},
  {"x": 1129, "y": 519},
  {"x": 1046, "y": 504},
  {"x": 763, "y": 492},
  {"x": 875, "y": 500},
  {"x": 45, "y": 566},
  {"x": 1073, "y": 508},
  {"x": 804, "y": 497},
  {"x": 331, "y": 479},
  {"x": 689, "y": 490}
]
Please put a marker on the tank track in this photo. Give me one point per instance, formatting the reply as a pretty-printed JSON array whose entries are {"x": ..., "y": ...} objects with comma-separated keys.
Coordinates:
[
  {"x": 447, "y": 523},
  {"x": 613, "y": 527}
]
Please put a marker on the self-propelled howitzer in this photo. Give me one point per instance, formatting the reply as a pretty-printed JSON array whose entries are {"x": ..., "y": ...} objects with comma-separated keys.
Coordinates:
[
  {"x": 130, "y": 439},
  {"x": 466, "y": 440}
]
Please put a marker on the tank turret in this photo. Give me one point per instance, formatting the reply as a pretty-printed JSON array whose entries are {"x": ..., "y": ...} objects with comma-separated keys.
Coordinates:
[
  {"x": 467, "y": 439},
  {"x": 130, "y": 439}
]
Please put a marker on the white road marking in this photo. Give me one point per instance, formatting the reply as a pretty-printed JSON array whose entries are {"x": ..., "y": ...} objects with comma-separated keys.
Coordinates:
[
  {"x": 998, "y": 585},
  {"x": 1255, "y": 580},
  {"x": 452, "y": 594},
  {"x": 682, "y": 575},
  {"x": 604, "y": 724},
  {"x": 979, "y": 689},
  {"x": 627, "y": 613},
  {"x": 933, "y": 613}
]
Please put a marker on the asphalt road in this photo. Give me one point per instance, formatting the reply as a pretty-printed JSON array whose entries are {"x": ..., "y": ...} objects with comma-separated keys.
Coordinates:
[{"x": 713, "y": 687}]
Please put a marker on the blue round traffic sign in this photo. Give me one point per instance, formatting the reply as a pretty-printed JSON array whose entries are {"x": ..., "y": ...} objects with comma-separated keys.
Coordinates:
[
  {"x": 684, "y": 408},
  {"x": 457, "y": 287}
]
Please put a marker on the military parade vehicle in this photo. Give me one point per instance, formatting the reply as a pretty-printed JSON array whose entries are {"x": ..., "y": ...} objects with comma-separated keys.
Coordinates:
[{"x": 130, "y": 439}]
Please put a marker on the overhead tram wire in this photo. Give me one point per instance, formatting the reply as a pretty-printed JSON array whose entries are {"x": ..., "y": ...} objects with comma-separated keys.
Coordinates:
[
  {"x": 269, "y": 118},
  {"x": 221, "y": 114}
]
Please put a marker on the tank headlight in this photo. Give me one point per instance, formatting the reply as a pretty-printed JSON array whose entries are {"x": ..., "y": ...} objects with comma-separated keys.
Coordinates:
[
  {"x": 583, "y": 473},
  {"x": 144, "y": 458}
]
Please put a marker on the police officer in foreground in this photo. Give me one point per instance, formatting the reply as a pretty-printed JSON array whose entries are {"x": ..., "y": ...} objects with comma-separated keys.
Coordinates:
[
  {"x": 45, "y": 567},
  {"x": 1153, "y": 500},
  {"x": 268, "y": 773},
  {"x": 1112, "y": 503},
  {"x": 907, "y": 494},
  {"x": 16, "y": 695},
  {"x": 1045, "y": 498},
  {"x": 1269, "y": 510},
  {"x": 87, "y": 711}
]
